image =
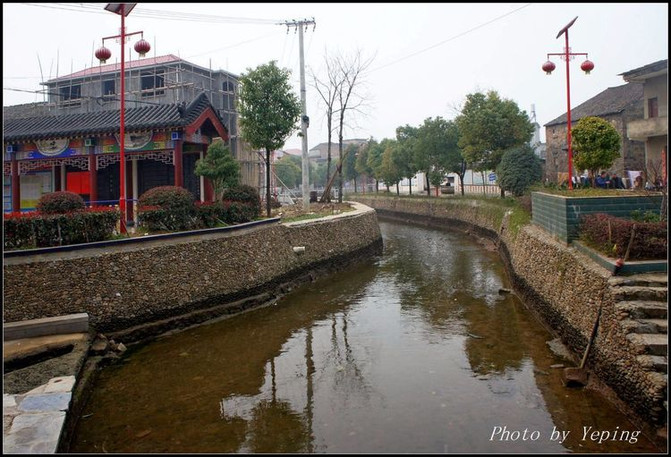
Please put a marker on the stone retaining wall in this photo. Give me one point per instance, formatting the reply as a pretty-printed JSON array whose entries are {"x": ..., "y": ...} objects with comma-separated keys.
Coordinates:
[
  {"x": 128, "y": 285},
  {"x": 560, "y": 284}
]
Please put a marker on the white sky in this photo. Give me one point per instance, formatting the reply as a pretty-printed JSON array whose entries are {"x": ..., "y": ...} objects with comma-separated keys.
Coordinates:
[{"x": 427, "y": 56}]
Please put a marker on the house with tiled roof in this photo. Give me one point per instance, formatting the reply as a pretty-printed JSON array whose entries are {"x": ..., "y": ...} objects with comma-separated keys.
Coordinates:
[
  {"x": 619, "y": 106},
  {"x": 173, "y": 110},
  {"x": 653, "y": 129}
]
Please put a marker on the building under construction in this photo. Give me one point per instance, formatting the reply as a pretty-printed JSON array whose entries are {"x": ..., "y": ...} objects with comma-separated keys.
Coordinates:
[{"x": 160, "y": 95}]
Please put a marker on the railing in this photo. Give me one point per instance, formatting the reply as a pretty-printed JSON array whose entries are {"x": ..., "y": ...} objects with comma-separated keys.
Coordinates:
[
  {"x": 88, "y": 203},
  {"x": 482, "y": 189}
]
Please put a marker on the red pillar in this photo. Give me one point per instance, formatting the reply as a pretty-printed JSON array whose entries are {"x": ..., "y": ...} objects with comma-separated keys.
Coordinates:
[
  {"x": 209, "y": 190},
  {"x": 177, "y": 158},
  {"x": 129, "y": 184},
  {"x": 16, "y": 185},
  {"x": 93, "y": 177}
]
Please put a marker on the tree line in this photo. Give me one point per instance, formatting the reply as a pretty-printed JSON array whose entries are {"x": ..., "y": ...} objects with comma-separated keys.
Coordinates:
[{"x": 490, "y": 133}]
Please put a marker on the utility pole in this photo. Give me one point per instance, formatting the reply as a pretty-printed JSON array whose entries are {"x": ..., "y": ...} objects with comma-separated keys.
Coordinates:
[{"x": 305, "y": 120}]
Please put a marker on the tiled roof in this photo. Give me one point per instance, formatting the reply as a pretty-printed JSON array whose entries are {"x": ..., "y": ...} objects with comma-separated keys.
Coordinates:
[
  {"x": 611, "y": 101},
  {"x": 655, "y": 67},
  {"x": 105, "y": 122},
  {"x": 116, "y": 67}
]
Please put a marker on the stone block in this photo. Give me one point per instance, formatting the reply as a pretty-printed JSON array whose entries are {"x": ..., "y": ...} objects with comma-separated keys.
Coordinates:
[
  {"x": 70, "y": 323},
  {"x": 59, "y": 401}
]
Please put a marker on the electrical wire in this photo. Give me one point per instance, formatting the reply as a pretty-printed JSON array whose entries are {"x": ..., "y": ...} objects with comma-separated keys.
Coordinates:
[
  {"x": 158, "y": 14},
  {"x": 449, "y": 39}
]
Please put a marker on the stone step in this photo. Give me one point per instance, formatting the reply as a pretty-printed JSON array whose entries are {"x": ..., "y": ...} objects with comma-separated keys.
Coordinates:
[
  {"x": 645, "y": 279},
  {"x": 643, "y": 309},
  {"x": 640, "y": 293},
  {"x": 660, "y": 325},
  {"x": 649, "y": 343},
  {"x": 653, "y": 362},
  {"x": 645, "y": 325}
]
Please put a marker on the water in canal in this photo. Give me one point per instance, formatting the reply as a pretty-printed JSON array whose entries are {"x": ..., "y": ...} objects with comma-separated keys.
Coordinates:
[{"x": 415, "y": 351}]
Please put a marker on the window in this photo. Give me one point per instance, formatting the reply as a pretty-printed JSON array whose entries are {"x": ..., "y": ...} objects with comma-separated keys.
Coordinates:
[
  {"x": 653, "y": 110},
  {"x": 152, "y": 82},
  {"x": 71, "y": 92},
  {"x": 109, "y": 87},
  {"x": 228, "y": 86}
]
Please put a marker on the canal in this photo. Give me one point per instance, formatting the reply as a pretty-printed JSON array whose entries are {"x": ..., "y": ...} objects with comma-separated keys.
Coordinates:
[{"x": 415, "y": 351}]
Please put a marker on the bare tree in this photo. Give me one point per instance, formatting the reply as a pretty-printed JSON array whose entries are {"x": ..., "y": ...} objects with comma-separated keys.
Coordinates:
[
  {"x": 656, "y": 178},
  {"x": 328, "y": 91},
  {"x": 348, "y": 98}
]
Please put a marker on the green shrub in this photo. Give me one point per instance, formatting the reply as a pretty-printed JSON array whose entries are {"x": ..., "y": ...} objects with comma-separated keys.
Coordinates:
[
  {"x": 244, "y": 194},
  {"x": 167, "y": 197},
  {"x": 611, "y": 236},
  {"x": 647, "y": 216},
  {"x": 60, "y": 202},
  {"x": 210, "y": 214},
  {"x": 37, "y": 230},
  {"x": 152, "y": 218},
  {"x": 518, "y": 170},
  {"x": 238, "y": 212},
  {"x": 168, "y": 208}
]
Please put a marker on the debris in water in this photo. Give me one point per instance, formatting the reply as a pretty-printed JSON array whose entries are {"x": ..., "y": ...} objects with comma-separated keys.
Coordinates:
[
  {"x": 475, "y": 336},
  {"x": 143, "y": 433}
]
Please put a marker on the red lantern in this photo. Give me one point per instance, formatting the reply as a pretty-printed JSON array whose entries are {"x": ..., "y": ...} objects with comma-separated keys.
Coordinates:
[
  {"x": 103, "y": 54},
  {"x": 142, "y": 47},
  {"x": 587, "y": 66},
  {"x": 548, "y": 67}
]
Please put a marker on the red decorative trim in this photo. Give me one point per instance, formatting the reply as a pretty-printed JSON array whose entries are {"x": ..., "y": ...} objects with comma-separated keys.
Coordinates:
[{"x": 205, "y": 115}]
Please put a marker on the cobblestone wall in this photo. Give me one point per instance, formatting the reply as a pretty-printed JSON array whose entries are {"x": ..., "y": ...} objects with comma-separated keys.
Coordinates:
[
  {"x": 561, "y": 285},
  {"x": 120, "y": 287}
]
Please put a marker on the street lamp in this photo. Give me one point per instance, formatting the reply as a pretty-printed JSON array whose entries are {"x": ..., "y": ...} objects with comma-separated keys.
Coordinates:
[
  {"x": 142, "y": 47},
  {"x": 586, "y": 66}
]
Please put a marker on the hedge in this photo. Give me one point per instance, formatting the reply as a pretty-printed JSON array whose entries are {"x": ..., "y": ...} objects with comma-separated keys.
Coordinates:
[
  {"x": 168, "y": 208},
  {"x": 211, "y": 214},
  {"x": 37, "y": 230},
  {"x": 611, "y": 235},
  {"x": 60, "y": 202}
]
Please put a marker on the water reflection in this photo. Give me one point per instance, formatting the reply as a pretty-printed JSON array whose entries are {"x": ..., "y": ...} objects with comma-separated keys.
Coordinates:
[{"x": 413, "y": 352}]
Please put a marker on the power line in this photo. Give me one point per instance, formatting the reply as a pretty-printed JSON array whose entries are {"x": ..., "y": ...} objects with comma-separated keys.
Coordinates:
[
  {"x": 157, "y": 14},
  {"x": 449, "y": 39}
]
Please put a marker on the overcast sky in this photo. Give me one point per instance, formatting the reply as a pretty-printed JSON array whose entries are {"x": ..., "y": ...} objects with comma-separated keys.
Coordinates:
[{"x": 426, "y": 56}]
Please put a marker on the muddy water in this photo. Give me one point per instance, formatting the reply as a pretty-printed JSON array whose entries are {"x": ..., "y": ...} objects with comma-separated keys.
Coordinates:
[{"x": 415, "y": 351}]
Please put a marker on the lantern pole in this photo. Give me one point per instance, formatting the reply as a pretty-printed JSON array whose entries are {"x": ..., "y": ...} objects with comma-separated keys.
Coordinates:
[
  {"x": 586, "y": 66},
  {"x": 123, "y": 10}
]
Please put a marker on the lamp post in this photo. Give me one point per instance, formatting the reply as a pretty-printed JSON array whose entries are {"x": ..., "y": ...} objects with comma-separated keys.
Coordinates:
[
  {"x": 586, "y": 66},
  {"x": 142, "y": 47}
]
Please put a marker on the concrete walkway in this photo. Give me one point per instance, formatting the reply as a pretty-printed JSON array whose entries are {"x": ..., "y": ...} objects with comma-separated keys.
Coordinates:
[
  {"x": 32, "y": 422},
  {"x": 41, "y": 360}
]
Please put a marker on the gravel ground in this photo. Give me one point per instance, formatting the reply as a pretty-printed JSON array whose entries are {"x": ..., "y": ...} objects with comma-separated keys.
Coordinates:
[{"x": 24, "y": 379}]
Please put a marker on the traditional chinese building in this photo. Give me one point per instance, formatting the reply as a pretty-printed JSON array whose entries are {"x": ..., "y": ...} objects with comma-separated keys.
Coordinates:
[
  {"x": 80, "y": 152},
  {"x": 174, "y": 109}
]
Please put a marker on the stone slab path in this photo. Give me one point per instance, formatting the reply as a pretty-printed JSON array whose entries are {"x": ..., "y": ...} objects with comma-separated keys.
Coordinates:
[{"x": 32, "y": 422}]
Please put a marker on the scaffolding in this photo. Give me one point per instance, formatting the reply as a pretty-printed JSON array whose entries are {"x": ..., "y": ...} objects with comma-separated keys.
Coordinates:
[{"x": 154, "y": 81}]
